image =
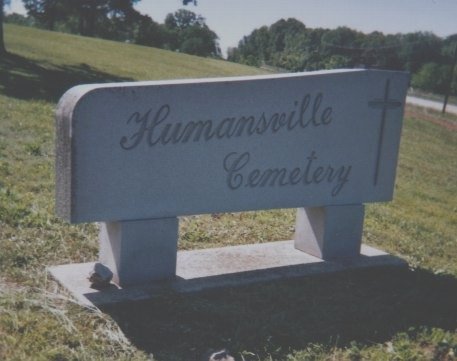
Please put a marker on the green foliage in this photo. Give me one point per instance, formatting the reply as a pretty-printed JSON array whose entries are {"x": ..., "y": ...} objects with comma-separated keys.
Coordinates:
[
  {"x": 47, "y": 12},
  {"x": 432, "y": 77},
  {"x": 289, "y": 45},
  {"x": 18, "y": 19},
  {"x": 189, "y": 34},
  {"x": 418, "y": 49},
  {"x": 183, "y": 19},
  {"x": 101, "y": 18},
  {"x": 183, "y": 31},
  {"x": 147, "y": 32},
  {"x": 337, "y": 62}
]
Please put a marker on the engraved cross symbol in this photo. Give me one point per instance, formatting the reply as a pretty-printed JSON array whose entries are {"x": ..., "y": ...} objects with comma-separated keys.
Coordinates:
[{"x": 384, "y": 104}]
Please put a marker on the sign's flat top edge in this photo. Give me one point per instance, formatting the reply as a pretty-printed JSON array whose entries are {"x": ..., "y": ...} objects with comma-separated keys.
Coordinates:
[
  {"x": 73, "y": 95},
  {"x": 88, "y": 87},
  {"x": 220, "y": 79}
]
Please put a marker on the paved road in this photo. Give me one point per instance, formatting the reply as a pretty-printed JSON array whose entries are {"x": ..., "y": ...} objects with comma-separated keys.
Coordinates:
[{"x": 431, "y": 104}]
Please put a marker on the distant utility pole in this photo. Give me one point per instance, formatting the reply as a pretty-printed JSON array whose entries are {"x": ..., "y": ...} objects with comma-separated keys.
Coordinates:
[{"x": 451, "y": 78}]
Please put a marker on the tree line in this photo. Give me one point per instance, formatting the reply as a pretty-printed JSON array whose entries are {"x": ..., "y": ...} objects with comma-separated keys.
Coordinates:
[
  {"x": 286, "y": 44},
  {"x": 290, "y": 45},
  {"x": 182, "y": 30}
]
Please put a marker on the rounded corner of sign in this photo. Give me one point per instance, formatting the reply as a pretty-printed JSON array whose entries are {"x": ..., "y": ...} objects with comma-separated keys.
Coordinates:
[{"x": 72, "y": 98}]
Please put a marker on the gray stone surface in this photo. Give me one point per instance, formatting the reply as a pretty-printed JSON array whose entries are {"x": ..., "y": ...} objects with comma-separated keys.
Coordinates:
[
  {"x": 330, "y": 232},
  {"x": 162, "y": 149},
  {"x": 137, "y": 155},
  {"x": 220, "y": 267},
  {"x": 139, "y": 251}
]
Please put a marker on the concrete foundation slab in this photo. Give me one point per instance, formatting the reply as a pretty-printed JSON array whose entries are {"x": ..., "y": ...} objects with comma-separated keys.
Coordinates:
[{"x": 199, "y": 270}]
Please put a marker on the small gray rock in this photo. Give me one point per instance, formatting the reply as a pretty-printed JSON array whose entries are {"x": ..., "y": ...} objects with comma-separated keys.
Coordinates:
[{"x": 100, "y": 276}]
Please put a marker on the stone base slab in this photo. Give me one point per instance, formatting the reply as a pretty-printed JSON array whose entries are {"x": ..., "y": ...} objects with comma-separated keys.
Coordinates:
[{"x": 205, "y": 269}]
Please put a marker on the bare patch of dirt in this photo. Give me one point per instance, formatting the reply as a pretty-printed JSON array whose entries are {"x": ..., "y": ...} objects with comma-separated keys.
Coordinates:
[{"x": 423, "y": 113}]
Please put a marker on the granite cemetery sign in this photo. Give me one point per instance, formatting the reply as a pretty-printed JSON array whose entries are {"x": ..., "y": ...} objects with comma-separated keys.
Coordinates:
[{"x": 134, "y": 156}]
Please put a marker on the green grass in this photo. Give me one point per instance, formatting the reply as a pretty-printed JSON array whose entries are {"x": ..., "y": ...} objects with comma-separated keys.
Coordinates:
[
  {"x": 380, "y": 314},
  {"x": 44, "y": 64},
  {"x": 421, "y": 222}
]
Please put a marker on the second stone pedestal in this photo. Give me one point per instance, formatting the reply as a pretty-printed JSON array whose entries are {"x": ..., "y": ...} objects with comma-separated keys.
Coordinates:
[{"x": 330, "y": 233}]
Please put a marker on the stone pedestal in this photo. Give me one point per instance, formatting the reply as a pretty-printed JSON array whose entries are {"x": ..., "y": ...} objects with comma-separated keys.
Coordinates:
[
  {"x": 139, "y": 251},
  {"x": 330, "y": 233}
]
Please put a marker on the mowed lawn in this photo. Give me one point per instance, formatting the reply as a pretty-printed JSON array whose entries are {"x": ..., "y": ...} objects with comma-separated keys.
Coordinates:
[{"x": 381, "y": 314}]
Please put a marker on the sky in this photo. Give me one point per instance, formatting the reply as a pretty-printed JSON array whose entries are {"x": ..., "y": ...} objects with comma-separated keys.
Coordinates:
[{"x": 233, "y": 19}]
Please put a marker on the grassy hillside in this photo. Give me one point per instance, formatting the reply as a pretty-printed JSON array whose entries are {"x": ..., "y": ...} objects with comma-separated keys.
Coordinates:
[
  {"x": 373, "y": 315},
  {"x": 44, "y": 64}
]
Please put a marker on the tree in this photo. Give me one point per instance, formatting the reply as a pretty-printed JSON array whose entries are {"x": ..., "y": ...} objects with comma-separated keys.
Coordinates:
[
  {"x": 47, "y": 12},
  {"x": 2, "y": 41},
  {"x": 283, "y": 45},
  {"x": 183, "y": 19},
  {"x": 105, "y": 18},
  {"x": 419, "y": 48},
  {"x": 188, "y": 33},
  {"x": 120, "y": 21},
  {"x": 282, "y": 33},
  {"x": 199, "y": 40},
  {"x": 147, "y": 32},
  {"x": 17, "y": 19},
  {"x": 432, "y": 77}
]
